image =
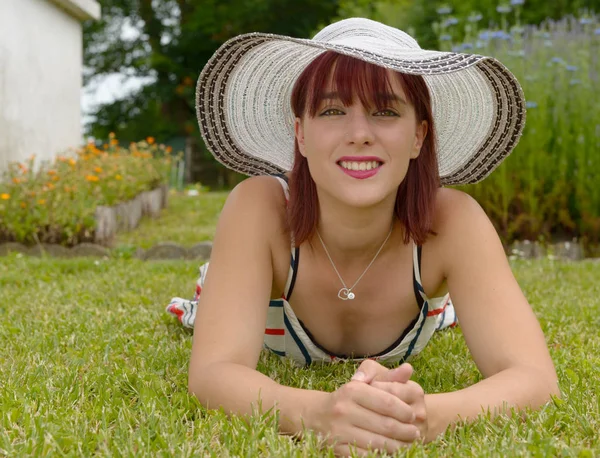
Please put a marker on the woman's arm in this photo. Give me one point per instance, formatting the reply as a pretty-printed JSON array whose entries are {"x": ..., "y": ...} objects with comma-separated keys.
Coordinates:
[
  {"x": 231, "y": 316},
  {"x": 229, "y": 330},
  {"x": 500, "y": 329}
]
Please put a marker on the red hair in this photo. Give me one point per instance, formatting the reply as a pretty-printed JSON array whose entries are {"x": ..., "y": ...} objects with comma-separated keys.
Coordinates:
[{"x": 415, "y": 198}]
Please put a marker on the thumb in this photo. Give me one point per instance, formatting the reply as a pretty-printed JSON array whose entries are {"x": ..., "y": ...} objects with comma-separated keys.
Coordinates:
[
  {"x": 368, "y": 371},
  {"x": 401, "y": 374}
]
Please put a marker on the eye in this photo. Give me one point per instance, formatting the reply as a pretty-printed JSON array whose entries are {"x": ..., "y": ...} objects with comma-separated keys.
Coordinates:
[
  {"x": 332, "y": 112},
  {"x": 386, "y": 113}
]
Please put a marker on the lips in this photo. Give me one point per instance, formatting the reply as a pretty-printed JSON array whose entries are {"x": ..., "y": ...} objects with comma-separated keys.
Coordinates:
[{"x": 360, "y": 167}]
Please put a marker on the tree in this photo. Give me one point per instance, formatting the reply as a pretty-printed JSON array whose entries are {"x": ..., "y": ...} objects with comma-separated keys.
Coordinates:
[{"x": 170, "y": 41}]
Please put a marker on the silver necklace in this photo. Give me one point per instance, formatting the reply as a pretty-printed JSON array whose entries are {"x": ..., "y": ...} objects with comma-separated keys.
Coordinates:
[{"x": 346, "y": 293}]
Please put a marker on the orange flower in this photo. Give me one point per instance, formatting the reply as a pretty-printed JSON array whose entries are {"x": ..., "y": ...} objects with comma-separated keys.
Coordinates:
[
  {"x": 23, "y": 168},
  {"x": 23, "y": 205},
  {"x": 118, "y": 177},
  {"x": 50, "y": 186},
  {"x": 114, "y": 142},
  {"x": 105, "y": 146},
  {"x": 41, "y": 201},
  {"x": 55, "y": 178},
  {"x": 16, "y": 180},
  {"x": 98, "y": 170},
  {"x": 92, "y": 178},
  {"x": 150, "y": 140},
  {"x": 4, "y": 196},
  {"x": 188, "y": 81},
  {"x": 72, "y": 162},
  {"x": 51, "y": 172},
  {"x": 180, "y": 89},
  {"x": 169, "y": 149},
  {"x": 111, "y": 135}
]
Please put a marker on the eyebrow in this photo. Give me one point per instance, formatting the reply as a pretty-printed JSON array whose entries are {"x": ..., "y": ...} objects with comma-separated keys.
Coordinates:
[{"x": 388, "y": 97}]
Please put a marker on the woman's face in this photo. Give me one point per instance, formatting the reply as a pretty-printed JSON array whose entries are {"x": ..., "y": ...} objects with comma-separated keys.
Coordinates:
[{"x": 359, "y": 155}]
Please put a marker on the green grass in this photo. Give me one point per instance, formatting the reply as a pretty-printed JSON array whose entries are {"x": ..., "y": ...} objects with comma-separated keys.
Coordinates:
[
  {"x": 186, "y": 220},
  {"x": 92, "y": 365}
]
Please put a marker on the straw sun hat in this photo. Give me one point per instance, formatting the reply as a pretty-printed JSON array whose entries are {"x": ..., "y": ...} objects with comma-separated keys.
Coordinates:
[{"x": 243, "y": 97}]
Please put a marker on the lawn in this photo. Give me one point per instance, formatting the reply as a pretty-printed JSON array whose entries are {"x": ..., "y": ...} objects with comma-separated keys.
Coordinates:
[{"x": 92, "y": 365}]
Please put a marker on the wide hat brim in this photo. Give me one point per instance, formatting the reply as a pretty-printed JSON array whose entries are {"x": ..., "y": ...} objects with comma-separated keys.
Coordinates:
[{"x": 245, "y": 117}]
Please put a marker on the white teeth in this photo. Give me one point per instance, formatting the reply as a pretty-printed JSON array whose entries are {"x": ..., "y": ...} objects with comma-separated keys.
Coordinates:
[{"x": 359, "y": 165}]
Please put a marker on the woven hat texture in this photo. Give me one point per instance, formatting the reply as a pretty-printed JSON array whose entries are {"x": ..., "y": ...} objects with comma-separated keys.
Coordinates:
[{"x": 245, "y": 117}]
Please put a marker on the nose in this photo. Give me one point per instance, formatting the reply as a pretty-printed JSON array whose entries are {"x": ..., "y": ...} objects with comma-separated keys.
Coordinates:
[{"x": 359, "y": 129}]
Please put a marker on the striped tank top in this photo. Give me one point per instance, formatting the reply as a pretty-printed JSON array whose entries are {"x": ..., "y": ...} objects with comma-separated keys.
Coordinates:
[{"x": 286, "y": 336}]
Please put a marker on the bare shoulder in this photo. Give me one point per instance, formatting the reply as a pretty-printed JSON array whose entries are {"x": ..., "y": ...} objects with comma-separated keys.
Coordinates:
[
  {"x": 457, "y": 214},
  {"x": 461, "y": 225},
  {"x": 258, "y": 194},
  {"x": 256, "y": 201}
]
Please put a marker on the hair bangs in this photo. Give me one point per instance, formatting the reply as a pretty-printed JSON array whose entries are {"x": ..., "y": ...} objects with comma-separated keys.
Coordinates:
[{"x": 351, "y": 80}]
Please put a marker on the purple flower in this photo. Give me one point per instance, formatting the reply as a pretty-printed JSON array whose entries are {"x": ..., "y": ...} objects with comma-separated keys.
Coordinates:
[
  {"x": 446, "y": 38},
  {"x": 517, "y": 2},
  {"x": 485, "y": 35},
  {"x": 557, "y": 60},
  {"x": 444, "y": 10},
  {"x": 467, "y": 46},
  {"x": 531, "y": 104},
  {"x": 450, "y": 21},
  {"x": 475, "y": 17},
  {"x": 456, "y": 49},
  {"x": 501, "y": 34},
  {"x": 503, "y": 9},
  {"x": 572, "y": 68},
  {"x": 597, "y": 31},
  {"x": 585, "y": 21}
]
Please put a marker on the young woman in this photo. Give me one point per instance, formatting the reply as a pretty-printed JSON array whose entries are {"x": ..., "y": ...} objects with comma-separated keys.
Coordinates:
[{"x": 345, "y": 245}]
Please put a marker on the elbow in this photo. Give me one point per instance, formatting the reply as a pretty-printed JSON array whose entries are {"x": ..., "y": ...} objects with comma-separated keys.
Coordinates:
[{"x": 196, "y": 384}]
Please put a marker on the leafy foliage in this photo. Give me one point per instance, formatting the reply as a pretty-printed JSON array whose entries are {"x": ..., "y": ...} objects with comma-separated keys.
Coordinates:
[
  {"x": 169, "y": 42},
  {"x": 56, "y": 202}
]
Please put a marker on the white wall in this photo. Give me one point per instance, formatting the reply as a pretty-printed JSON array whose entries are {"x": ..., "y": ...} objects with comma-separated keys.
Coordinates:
[{"x": 40, "y": 80}]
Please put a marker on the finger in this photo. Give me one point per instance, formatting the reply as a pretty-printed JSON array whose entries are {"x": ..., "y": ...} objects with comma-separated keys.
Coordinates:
[
  {"x": 401, "y": 374},
  {"x": 369, "y": 441},
  {"x": 380, "y": 401},
  {"x": 409, "y": 392},
  {"x": 402, "y": 431},
  {"x": 368, "y": 370}
]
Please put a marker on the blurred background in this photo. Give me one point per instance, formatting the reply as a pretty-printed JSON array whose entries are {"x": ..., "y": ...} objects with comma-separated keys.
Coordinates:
[{"x": 141, "y": 59}]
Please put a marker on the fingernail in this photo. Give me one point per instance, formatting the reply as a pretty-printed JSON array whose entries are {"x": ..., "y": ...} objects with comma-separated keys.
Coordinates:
[{"x": 359, "y": 376}]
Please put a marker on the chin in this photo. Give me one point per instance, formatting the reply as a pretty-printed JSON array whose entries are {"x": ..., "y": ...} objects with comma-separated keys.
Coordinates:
[{"x": 366, "y": 196}]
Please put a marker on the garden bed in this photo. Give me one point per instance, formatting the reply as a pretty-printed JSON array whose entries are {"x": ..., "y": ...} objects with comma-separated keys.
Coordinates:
[{"x": 86, "y": 196}]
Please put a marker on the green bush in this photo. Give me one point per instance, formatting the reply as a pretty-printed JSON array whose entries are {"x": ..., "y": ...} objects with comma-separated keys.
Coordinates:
[{"x": 55, "y": 202}]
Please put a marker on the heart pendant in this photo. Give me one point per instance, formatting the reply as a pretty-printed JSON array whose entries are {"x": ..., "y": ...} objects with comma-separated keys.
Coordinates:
[{"x": 345, "y": 294}]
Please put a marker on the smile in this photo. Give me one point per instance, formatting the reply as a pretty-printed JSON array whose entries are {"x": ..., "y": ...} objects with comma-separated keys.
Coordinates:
[{"x": 360, "y": 167}]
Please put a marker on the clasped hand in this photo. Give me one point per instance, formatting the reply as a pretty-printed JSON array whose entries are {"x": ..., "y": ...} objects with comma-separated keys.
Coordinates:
[{"x": 378, "y": 409}]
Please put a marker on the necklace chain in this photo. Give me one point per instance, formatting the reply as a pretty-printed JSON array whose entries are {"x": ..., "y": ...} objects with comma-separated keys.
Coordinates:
[{"x": 346, "y": 293}]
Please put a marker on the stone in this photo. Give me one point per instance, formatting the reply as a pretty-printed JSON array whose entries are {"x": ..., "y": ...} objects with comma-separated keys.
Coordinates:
[
  {"x": 522, "y": 249},
  {"x": 12, "y": 247},
  {"x": 152, "y": 202},
  {"x": 122, "y": 211},
  {"x": 200, "y": 251},
  {"x": 135, "y": 210},
  {"x": 164, "y": 251},
  {"x": 49, "y": 249},
  {"x": 164, "y": 189},
  {"x": 572, "y": 251},
  {"x": 90, "y": 250},
  {"x": 106, "y": 225}
]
